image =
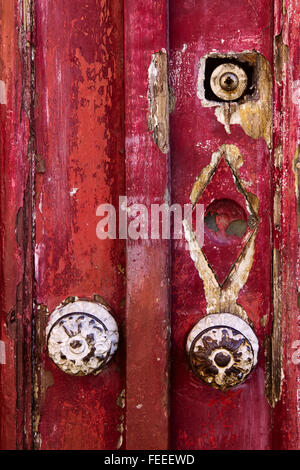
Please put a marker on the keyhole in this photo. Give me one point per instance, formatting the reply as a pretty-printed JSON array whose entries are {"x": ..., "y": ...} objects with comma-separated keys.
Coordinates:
[{"x": 221, "y": 359}]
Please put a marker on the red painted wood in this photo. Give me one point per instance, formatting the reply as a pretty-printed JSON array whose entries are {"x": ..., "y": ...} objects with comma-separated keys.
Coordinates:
[
  {"x": 79, "y": 122},
  {"x": 286, "y": 423},
  {"x": 147, "y": 260},
  {"x": 202, "y": 417},
  {"x": 16, "y": 222},
  {"x": 62, "y": 154}
]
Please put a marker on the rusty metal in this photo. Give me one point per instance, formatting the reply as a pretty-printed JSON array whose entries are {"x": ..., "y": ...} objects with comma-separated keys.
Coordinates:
[
  {"x": 228, "y": 81},
  {"x": 82, "y": 336},
  {"x": 222, "y": 350}
]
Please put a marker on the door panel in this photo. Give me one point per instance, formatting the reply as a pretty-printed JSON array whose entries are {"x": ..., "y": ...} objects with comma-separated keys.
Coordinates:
[
  {"x": 79, "y": 141},
  {"x": 202, "y": 417}
]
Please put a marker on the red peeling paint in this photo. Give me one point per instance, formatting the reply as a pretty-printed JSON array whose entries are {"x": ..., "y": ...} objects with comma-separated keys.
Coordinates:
[
  {"x": 79, "y": 134},
  {"x": 241, "y": 417},
  {"x": 286, "y": 422},
  {"x": 74, "y": 108},
  {"x": 147, "y": 303}
]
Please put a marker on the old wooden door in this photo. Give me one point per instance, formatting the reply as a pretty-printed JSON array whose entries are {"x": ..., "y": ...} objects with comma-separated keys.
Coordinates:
[{"x": 145, "y": 342}]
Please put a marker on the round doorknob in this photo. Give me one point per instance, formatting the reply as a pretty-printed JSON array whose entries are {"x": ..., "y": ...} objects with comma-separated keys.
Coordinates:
[
  {"x": 222, "y": 350},
  {"x": 82, "y": 336},
  {"x": 228, "y": 81}
]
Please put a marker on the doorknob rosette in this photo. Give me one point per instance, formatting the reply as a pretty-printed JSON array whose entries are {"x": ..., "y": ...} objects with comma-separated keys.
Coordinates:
[
  {"x": 82, "y": 336},
  {"x": 222, "y": 350}
]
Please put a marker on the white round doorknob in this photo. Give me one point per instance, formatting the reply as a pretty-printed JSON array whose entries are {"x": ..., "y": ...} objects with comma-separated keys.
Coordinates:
[{"x": 82, "y": 336}]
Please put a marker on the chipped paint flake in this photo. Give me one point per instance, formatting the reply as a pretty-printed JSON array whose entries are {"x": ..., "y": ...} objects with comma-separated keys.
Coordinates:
[
  {"x": 121, "y": 399},
  {"x": 296, "y": 93},
  {"x": 2, "y": 352},
  {"x": 184, "y": 48},
  {"x": 281, "y": 56},
  {"x": 73, "y": 191},
  {"x": 2, "y": 92},
  {"x": 160, "y": 100},
  {"x": 296, "y": 168}
]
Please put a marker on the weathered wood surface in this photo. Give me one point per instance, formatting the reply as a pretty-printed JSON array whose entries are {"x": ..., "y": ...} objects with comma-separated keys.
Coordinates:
[
  {"x": 79, "y": 144},
  {"x": 202, "y": 417},
  {"x": 65, "y": 66},
  {"x": 147, "y": 304},
  {"x": 17, "y": 162},
  {"x": 286, "y": 421}
]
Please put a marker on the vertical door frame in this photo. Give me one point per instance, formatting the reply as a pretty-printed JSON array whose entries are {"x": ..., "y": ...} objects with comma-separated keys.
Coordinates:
[
  {"x": 147, "y": 182},
  {"x": 285, "y": 392},
  {"x": 17, "y": 173}
]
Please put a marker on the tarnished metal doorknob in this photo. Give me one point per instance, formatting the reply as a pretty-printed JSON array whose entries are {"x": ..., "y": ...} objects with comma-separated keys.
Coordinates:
[
  {"x": 222, "y": 350},
  {"x": 82, "y": 336}
]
